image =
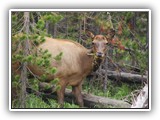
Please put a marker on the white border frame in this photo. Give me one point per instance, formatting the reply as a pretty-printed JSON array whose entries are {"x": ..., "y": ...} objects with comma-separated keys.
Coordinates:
[{"x": 76, "y": 10}]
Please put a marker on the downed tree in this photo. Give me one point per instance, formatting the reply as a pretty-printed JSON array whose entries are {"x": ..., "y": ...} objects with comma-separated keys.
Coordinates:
[
  {"x": 102, "y": 102},
  {"x": 90, "y": 101},
  {"x": 126, "y": 77}
]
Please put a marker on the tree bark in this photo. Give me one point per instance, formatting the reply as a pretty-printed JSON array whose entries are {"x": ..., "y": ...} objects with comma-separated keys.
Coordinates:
[
  {"x": 80, "y": 29},
  {"x": 55, "y": 30},
  {"x": 105, "y": 75},
  {"x": 47, "y": 26},
  {"x": 23, "y": 77}
]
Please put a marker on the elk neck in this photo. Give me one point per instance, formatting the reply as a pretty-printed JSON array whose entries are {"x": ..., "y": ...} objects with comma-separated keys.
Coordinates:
[{"x": 96, "y": 61}]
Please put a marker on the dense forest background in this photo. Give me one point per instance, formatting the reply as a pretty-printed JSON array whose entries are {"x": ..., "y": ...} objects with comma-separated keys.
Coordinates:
[{"x": 128, "y": 52}]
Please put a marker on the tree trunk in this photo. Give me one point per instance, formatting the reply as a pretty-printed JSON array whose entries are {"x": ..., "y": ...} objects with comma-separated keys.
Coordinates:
[
  {"x": 55, "y": 30},
  {"x": 23, "y": 77},
  {"x": 66, "y": 26},
  {"x": 105, "y": 75},
  {"x": 47, "y": 27},
  {"x": 80, "y": 29}
]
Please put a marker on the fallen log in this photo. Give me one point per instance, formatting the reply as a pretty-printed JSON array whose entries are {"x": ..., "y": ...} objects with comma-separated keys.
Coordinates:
[
  {"x": 93, "y": 101},
  {"x": 90, "y": 101},
  {"x": 126, "y": 77}
]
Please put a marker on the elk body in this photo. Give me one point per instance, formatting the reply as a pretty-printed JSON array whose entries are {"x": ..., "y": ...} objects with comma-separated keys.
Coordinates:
[{"x": 75, "y": 65}]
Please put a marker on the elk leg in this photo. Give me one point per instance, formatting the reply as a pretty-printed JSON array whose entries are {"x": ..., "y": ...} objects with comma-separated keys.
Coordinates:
[
  {"x": 60, "y": 94},
  {"x": 77, "y": 92}
]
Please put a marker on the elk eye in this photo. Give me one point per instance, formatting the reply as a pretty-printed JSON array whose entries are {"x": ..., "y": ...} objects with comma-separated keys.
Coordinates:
[{"x": 93, "y": 43}]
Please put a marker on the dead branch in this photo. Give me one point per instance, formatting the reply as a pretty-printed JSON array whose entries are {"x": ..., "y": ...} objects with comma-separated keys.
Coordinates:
[{"x": 142, "y": 99}]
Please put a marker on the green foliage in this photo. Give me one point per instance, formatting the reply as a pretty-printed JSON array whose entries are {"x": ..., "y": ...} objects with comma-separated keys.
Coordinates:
[
  {"x": 18, "y": 56},
  {"x": 53, "y": 17},
  {"x": 55, "y": 81},
  {"x": 14, "y": 18},
  {"x": 121, "y": 91},
  {"x": 16, "y": 77},
  {"x": 128, "y": 15},
  {"x": 33, "y": 83},
  {"x": 59, "y": 56},
  {"x": 58, "y": 87},
  {"x": 40, "y": 24},
  {"x": 53, "y": 70},
  {"x": 47, "y": 87},
  {"x": 68, "y": 105},
  {"x": 23, "y": 37}
]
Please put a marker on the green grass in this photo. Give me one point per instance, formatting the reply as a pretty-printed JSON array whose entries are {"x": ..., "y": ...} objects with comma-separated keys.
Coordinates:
[
  {"x": 33, "y": 101},
  {"x": 114, "y": 90}
]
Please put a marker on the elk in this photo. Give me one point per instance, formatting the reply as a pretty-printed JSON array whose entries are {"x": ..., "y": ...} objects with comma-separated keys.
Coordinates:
[{"x": 76, "y": 63}]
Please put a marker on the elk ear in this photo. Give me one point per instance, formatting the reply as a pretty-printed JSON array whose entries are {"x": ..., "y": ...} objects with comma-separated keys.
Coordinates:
[
  {"x": 90, "y": 34},
  {"x": 106, "y": 41},
  {"x": 110, "y": 33}
]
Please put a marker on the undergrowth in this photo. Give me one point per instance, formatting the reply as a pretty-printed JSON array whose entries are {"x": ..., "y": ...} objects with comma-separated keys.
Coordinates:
[
  {"x": 115, "y": 90},
  {"x": 35, "y": 102}
]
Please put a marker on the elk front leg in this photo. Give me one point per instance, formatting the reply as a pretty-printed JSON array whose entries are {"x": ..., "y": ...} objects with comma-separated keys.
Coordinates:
[
  {"x": 60, "y": 94},
  {"x": 77, "y": 92}
]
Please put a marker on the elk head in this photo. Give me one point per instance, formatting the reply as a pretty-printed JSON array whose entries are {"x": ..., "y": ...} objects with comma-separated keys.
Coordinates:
[{"x": 99, "y": 43}]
